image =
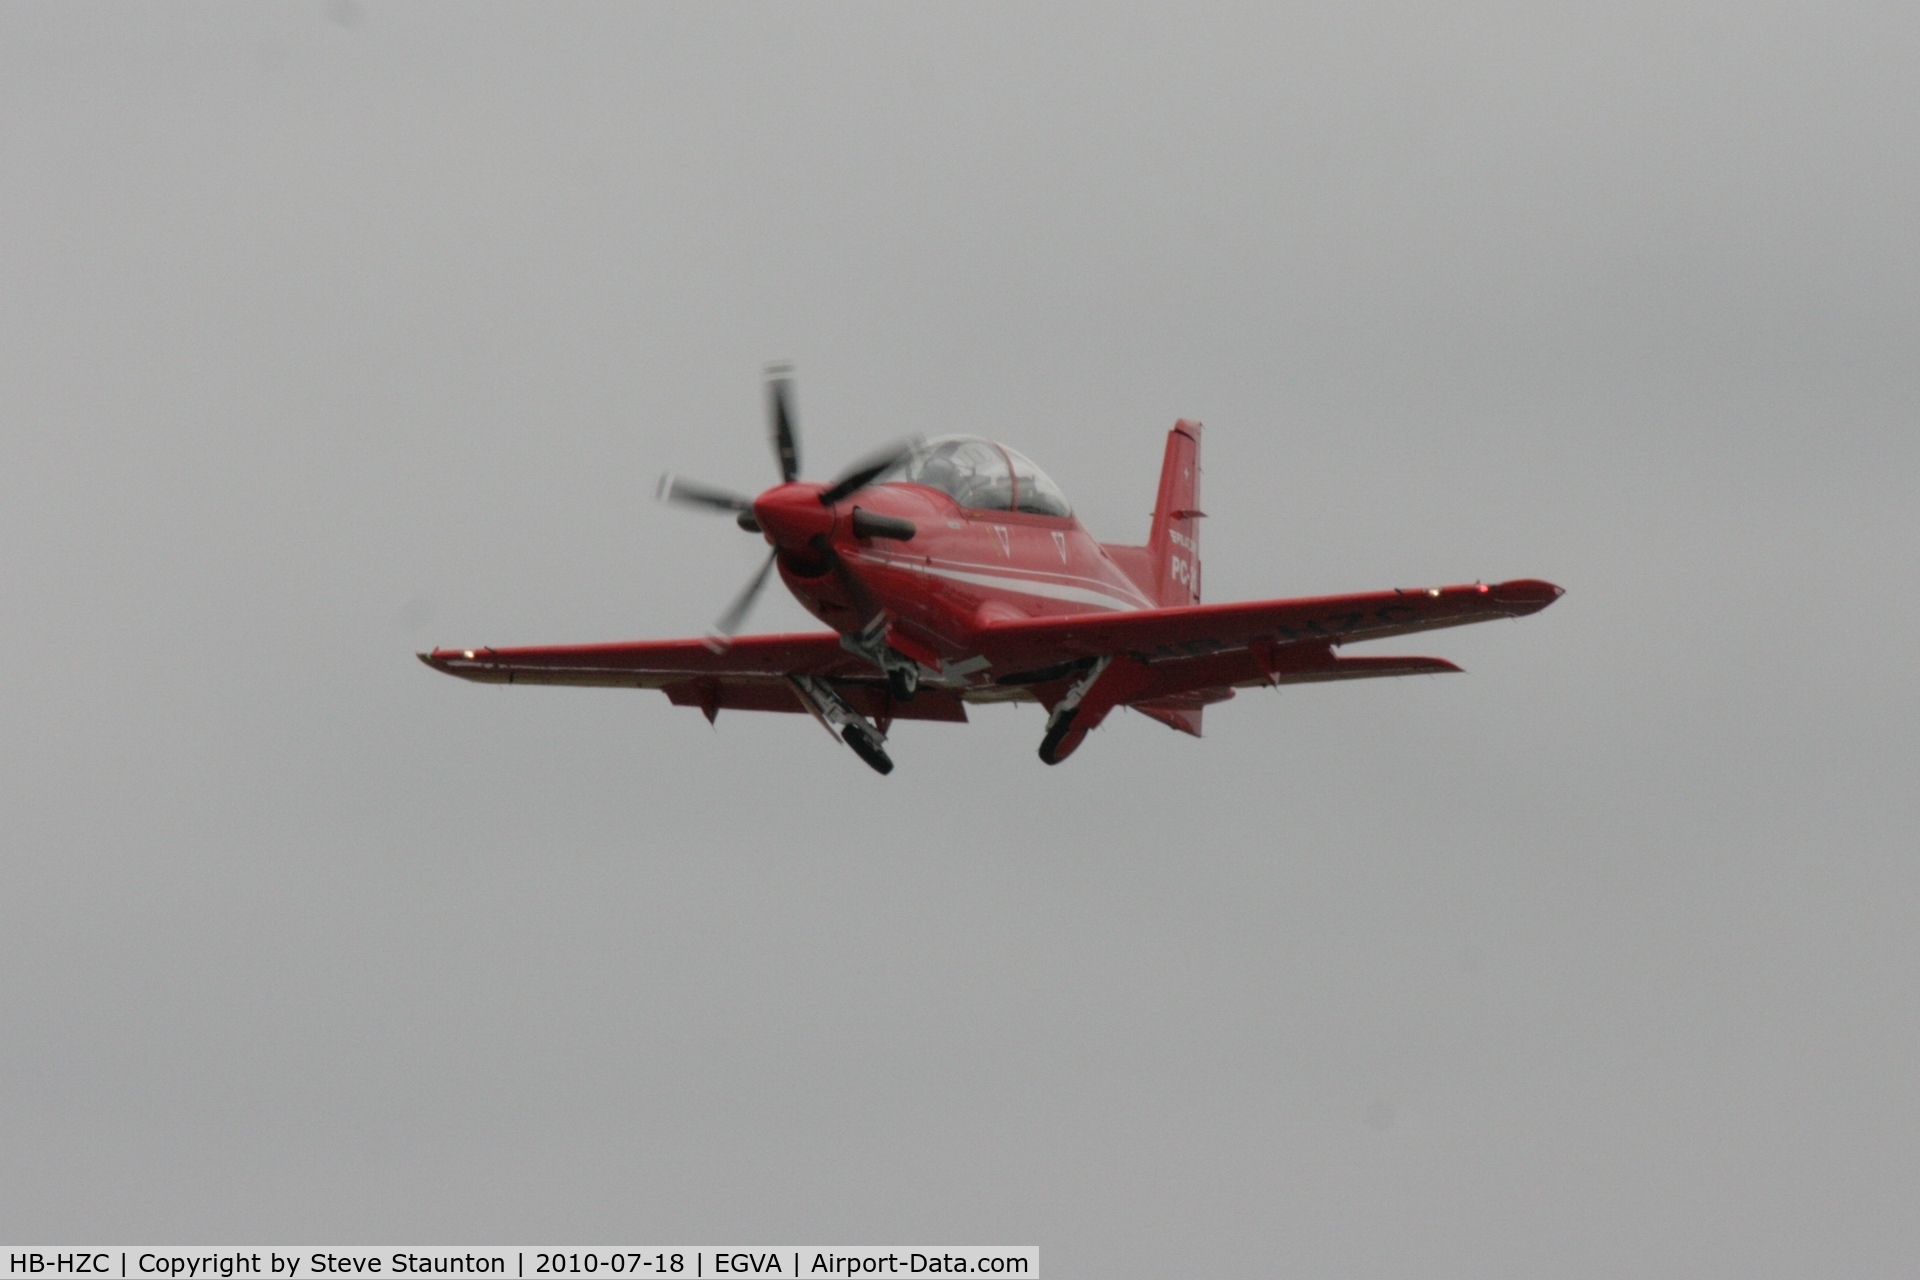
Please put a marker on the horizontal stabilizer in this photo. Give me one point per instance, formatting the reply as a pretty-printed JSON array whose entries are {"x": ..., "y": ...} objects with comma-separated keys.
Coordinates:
[{"x": 1182, "y": 711}]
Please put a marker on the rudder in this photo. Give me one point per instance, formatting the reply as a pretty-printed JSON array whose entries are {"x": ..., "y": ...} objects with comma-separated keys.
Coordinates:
[{"x": 1173, "y": 547}]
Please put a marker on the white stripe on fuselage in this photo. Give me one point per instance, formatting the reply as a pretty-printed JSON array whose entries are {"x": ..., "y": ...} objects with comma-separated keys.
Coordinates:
[{"x": 1102, "y": 595}]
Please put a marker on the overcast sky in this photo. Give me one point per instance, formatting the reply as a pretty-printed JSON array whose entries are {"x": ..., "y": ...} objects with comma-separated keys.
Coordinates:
[{"x": 330, "y": 331}]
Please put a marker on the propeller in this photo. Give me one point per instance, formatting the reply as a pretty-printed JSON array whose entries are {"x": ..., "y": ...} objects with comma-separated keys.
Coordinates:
[
  {"x": 721, "y": 633},
  {"x": 862, "y": 473},
  {"x": 783, "y": 432},
  {"x": 862, "y": 600},
  {"x": 691, "y": 493},
  {"x": 786, "y": 448}
]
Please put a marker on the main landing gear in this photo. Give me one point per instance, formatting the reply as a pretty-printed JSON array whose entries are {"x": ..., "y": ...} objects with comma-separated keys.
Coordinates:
[
  {"x": 868, "y": 748},
  {"x": 1108, "y": 683},
  {"x": 1065, "y": 712},
  {"x": 831, "y": 710}
]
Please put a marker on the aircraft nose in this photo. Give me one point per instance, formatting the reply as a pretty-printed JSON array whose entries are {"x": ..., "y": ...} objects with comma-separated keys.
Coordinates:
[{"x": 791, "y": 514}]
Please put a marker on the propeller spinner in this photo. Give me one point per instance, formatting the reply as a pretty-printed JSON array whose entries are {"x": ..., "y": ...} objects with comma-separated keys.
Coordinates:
[{"x": 796, "y": 517}]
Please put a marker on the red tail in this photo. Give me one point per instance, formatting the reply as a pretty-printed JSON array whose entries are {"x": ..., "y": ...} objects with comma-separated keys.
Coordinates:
[{"x": 1168, "y": 567}]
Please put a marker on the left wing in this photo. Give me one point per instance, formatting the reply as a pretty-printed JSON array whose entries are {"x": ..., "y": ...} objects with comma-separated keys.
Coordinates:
[
  {"x": 1261, "y": 627},
  {"x": 753, "y": 673},
  {"x": 1171, "y": 663}
]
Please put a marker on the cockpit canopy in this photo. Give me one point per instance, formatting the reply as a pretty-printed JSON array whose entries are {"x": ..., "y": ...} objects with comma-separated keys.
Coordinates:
[{"x": 980, "y": 474}]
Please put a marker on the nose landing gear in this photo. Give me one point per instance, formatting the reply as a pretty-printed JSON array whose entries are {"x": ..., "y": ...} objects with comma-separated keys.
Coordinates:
[
  {"x": 870, "y": 642},
  {"x": 903, "y": 677}
]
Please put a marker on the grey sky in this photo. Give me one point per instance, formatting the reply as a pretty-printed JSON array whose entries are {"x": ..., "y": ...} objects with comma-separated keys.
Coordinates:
[{"x": 328, "y": 332}]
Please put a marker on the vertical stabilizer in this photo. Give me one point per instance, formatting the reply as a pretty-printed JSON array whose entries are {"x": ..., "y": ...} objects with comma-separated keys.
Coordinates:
[{"x": 1173, "y": 547}]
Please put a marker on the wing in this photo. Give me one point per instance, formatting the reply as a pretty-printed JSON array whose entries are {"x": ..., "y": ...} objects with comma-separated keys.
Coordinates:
[
  {"x": 751, "y": 674},
  {"x": 1185, "y": 658},
  {"x": 1263, "y": 629}
]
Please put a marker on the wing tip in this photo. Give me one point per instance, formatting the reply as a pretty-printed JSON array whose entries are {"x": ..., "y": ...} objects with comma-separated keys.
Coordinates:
[
  {"x": 438, "y": 659},
  {"x": 1526, "y": 595}
]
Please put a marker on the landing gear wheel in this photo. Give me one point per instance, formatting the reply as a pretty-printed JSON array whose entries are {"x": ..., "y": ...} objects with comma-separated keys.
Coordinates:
[
  {"x": 1056, "y": 733},
  {"x": 903, "y": 682},
  {"x": 867, "y": 749}
]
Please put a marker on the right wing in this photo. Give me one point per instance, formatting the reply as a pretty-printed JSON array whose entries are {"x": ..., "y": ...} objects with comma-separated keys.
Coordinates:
[{"x": 753, "y": 673}]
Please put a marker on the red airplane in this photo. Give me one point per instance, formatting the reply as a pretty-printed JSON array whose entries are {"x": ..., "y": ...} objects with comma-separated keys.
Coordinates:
[{"x": 953, "y": 571}]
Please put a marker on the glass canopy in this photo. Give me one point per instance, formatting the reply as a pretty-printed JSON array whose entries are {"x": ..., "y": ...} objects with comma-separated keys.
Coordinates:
[{"x": 980, "y": 474}]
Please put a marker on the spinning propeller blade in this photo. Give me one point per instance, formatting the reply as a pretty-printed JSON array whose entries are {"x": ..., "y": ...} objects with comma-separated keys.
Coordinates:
[
  {"x": 857, "y": 593},
  {"x": 786, "y": 444},
  {"x": 721, "y": 634},
  {"x": 862, "y": 473},
  {"x": 691, "y": 493}
]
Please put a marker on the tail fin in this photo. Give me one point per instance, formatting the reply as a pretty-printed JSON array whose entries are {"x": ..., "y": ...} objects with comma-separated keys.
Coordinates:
[
  {"x": 1173, "y": 547},
  {"x": 1167, "y": 569}
]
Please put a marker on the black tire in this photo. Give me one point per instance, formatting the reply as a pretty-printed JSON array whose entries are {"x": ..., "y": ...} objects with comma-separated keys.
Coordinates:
[
  {"x": 867, "y": 749},
  {"x": 1056, "y": 733}
]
